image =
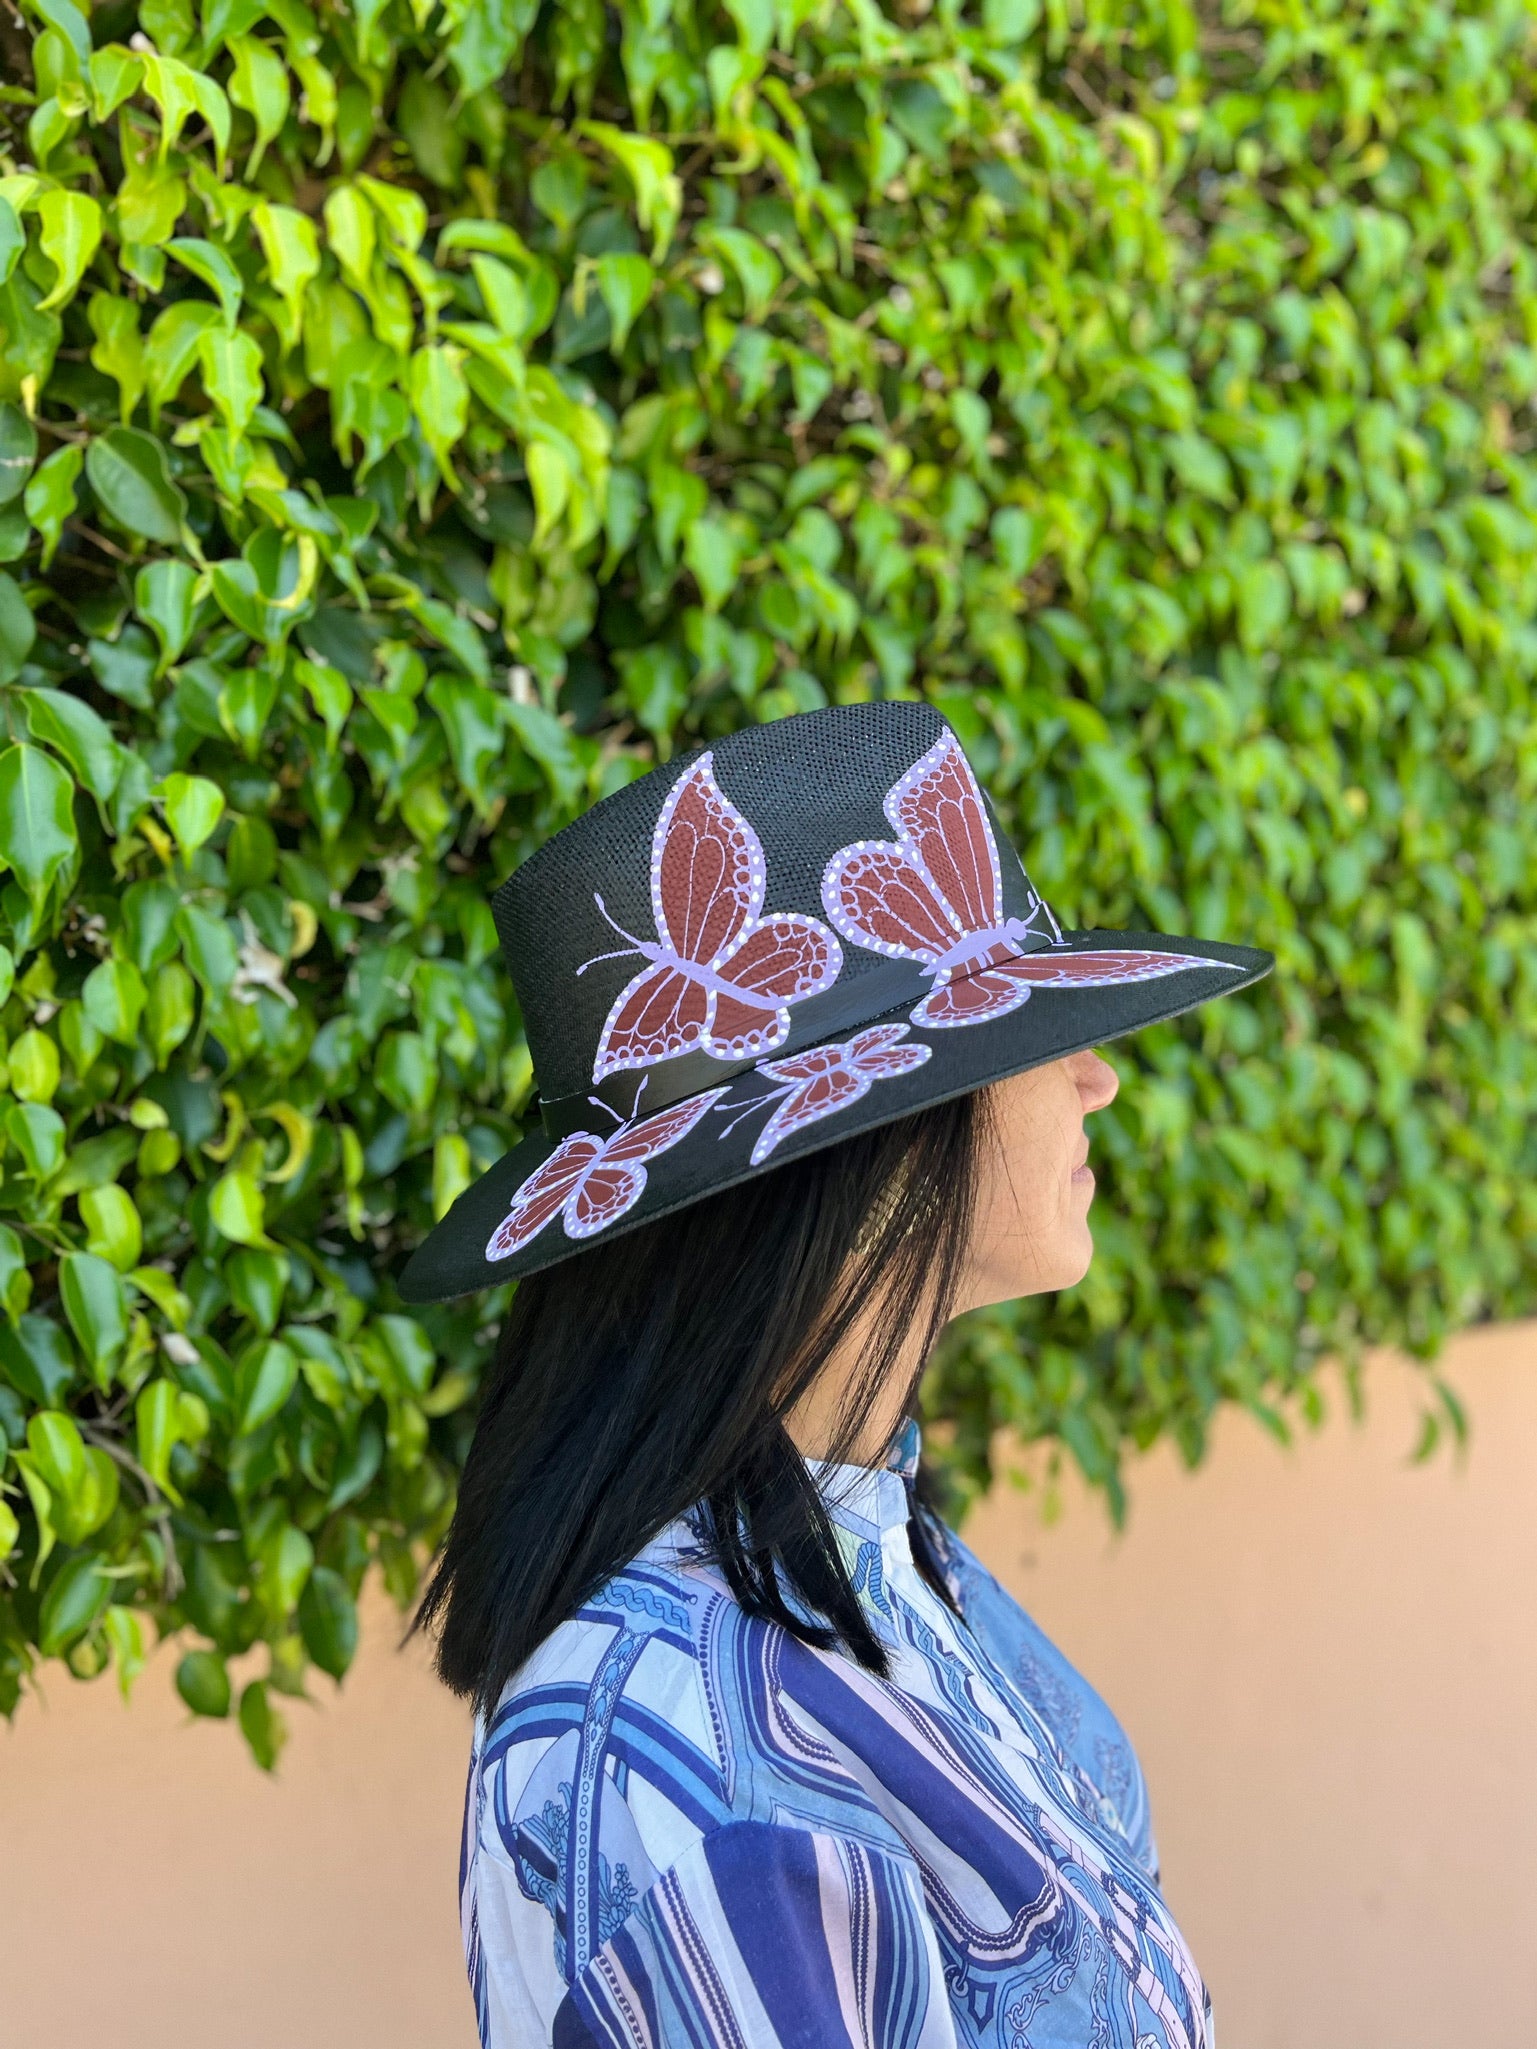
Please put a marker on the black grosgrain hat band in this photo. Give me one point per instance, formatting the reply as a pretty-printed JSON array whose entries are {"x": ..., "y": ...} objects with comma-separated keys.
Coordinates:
[
  {"x": 888, "y": 985},
  {"x": 810, "y": 928}
]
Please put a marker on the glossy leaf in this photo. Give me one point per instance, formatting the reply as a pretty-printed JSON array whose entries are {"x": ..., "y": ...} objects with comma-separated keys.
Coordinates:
[{"x": 129, "y": 473}]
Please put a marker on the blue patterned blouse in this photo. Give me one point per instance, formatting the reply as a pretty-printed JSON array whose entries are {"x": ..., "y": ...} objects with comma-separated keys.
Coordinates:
[{"x": 687, "y": 1830}]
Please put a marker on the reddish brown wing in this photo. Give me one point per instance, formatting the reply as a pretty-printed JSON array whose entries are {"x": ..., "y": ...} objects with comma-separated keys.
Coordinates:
[
  {"x": 787, "y": 956},
  {"x": 938, "y": 809},
  {"x": 878, "y": 1053},
  {"x": 608, "y": 1191},
  {"x": 972, "y": 999},
  {"x": 1100, "y": 969},
  {"x": 657, "y": 1014},
  {"x": 653, "y": 1135},
  {"x": 830, "y": 1086},
  {"x": 616, "y": 1183},
  {"x": 878, "y": 897},
  {"x": 707, "y": 870},
  {"x": 544, "y": 1193}
]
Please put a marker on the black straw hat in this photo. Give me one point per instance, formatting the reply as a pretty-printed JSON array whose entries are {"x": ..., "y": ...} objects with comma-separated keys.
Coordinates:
[{"x": 808, "y": 929}]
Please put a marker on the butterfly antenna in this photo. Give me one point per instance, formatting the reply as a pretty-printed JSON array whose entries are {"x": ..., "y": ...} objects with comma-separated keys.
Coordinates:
[
  {"x": 746, "y": 1110},
  {"x": 598, "y": 1103},
  {"x": 620, "y": 952}
]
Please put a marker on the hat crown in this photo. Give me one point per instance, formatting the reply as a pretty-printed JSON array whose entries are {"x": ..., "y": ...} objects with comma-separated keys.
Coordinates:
[{"x": 807, "y": 787}]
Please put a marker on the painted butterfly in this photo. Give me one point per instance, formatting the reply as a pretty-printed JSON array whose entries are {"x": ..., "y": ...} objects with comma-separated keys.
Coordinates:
[
  {"x": 814, "y": 1084},
  {"x": 590, "y": 1181},
  {"x": 935, "y": 895},
  {"x": 719, "y": 976}
]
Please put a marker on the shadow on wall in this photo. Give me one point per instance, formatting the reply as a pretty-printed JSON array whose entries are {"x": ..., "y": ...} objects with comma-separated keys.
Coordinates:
[{"x": 1328, "y": 1658}]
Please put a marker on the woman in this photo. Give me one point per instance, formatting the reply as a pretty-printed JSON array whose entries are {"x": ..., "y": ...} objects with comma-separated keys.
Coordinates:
[{"x": 763, "y": 1756}]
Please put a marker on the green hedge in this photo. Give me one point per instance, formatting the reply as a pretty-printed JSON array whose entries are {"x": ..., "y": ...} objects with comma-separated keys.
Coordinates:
[{"x": 416, "y": 421}]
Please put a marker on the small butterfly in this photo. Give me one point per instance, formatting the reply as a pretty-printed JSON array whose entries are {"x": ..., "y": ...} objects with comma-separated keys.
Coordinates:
[
  {"x": 591, "y": 1181},
  {"x": 719, "y": 976},
  {"x": 935, "y": 895},
  {"x": 811, "y": 1085}
]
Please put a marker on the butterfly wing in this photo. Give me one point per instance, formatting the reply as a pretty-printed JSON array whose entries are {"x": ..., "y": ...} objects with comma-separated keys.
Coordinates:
[
  {"x": 605, "y": 1194},
  {"x": 975, "y": 999},
  {"x": 938, "y": 809},
  {"x": 616, "y": 1182},
  {"x": 878, "y": 1053},
  {"x": 824, "y": 1083},
  {"x": 707, "y": 868},
  {"x": 789, "y": 956},
  {"x": 1099, "y": 969},
  {"x": 972, "y": 999},
  {"x": 876, "y": 895},
  {"x": 544, "y": 1193},
  {"x": 653, "y": 1135},
  {"x": 657, "y": 1014}
]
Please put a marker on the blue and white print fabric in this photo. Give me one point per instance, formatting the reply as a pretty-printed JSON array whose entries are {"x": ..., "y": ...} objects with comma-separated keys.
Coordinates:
[{"x": 687, "y": 1830}]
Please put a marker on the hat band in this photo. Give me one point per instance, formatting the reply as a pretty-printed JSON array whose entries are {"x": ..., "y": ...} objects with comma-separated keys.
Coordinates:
[{"x": 886, "y": 985}]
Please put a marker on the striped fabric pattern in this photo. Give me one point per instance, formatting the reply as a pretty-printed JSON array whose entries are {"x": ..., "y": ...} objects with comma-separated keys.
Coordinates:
[{"x": 684, "y": 1829}]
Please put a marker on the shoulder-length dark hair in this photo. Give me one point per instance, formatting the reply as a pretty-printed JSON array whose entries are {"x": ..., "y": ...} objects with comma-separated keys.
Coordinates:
[{"x": 652, "y": 1374}]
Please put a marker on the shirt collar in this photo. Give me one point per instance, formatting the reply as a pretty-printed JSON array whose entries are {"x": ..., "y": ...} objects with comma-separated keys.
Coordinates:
[{"x": 872, "y": 1501}]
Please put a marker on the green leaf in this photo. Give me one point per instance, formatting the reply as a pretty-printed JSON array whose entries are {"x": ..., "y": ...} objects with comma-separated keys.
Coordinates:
[
  {"x": 68, "y": 21},
  {"x": 328, "y": 1621},
  {"x": 625, "y": 282},
  {"x": 293, "y": 258},
  {"x": 202, "y": 1680},
  {"x": 440, "y": 399},
  {"x": 37, "y": 824},
  {"x": 548, "y": 741},
  {"x": 94, "y": 1302},
  {"x": 18, "y": 451},
  {"x": 261, "y": 1725},
  {"x": 113, "y": 996},
  {"x": 113, "y": 1229},
  {"x": 71, "y": 234},
  {"x": 259, "y": 86},
  {"x": 208, "y": 262},
  {"x": 266, "y": 1381},
  {"x": 238, "y": 1209},
  {"x": 37, "y": 1132},
  {"x": 165, "y": 598},
  {"x": 34, "y": 1067},
  {"x": 115, "y": 75},
  {"x": 81, "y": 735},
  {"x": 231, "y": 363},
  {"x": 18, "y": 629},
  {"x": 129, "y": 474},
  {"x": 759, "y": 270},
  {"x": 172, "y": 349},
  {"x": 76, "y": 1596},
  {"x": 169, "y": 1010},
  {"x": 34, "y": 1352},
  {"x": 648, "y": 165},
  {"x": 13, "y": 239},
  {"x": 193, "y": 807},
  {"x": 50, "y": 497}
]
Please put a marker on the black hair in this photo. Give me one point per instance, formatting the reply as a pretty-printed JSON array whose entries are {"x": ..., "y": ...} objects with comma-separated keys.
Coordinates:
[{"x": 650, "y": 1375}]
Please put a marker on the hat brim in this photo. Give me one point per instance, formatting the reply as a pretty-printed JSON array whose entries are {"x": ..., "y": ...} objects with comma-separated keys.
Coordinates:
[{"x": 717, "y": 1153}]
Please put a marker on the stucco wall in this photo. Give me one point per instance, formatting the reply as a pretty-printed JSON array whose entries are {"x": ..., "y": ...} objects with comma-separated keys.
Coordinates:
[{"x": 1327, "y": 1657}]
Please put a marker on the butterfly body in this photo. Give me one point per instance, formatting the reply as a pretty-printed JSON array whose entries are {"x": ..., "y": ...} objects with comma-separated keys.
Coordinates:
[
  {"x": 935, "y": 895},
  {"x": 720, "y": 976}
]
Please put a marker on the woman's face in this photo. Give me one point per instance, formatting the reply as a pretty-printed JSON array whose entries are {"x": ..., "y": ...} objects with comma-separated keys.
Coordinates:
[{"x": 1032, "y": 1218}]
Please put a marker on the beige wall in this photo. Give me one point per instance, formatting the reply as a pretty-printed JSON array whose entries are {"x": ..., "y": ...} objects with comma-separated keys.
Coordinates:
[{"x": 1328, "y": 1658}]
